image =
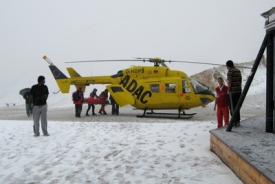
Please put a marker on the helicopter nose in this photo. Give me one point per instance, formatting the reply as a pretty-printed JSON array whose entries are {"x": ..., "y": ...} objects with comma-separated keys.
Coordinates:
[
  {"x": 206, "y": 101},
  {"x": 210, "y": 97}
]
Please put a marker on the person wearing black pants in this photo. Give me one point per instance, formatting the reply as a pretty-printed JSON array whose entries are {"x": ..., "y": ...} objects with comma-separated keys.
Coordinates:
[
  {"x": 93, "y": 109},
  {"x": 115, "y": 106},
  {"x": 92, "y": 95},
  {"x": 234, "y": 81},
  {"x": 78, "y": 102}
]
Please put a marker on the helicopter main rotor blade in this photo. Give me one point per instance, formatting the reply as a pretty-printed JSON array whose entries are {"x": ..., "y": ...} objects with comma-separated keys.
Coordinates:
[
  {"x": 194, "y": 62},
  {"x": 207, "y": 63},
  {"x": 153, "y": 60},
  {"x": 107, "y": 60}
]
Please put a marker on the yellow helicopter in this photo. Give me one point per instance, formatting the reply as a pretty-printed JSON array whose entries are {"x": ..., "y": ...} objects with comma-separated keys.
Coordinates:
[{"x": 144, "y": 87}]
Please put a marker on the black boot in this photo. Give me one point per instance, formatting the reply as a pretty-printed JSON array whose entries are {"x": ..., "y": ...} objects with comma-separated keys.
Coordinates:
[{"x": 78, "y": 115}]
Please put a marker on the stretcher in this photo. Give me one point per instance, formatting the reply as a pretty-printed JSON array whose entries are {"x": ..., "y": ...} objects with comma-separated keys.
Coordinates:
[{"x": 94, "y": 101}]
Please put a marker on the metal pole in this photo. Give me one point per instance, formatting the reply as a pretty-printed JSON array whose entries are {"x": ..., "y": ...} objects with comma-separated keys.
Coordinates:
[
  {"x": 248, "y": 83},
  {"x": 269, "y": 83}
]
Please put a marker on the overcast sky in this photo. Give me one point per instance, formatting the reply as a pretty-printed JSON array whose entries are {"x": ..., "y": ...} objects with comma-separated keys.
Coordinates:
[{"x": 71, "y": 30}]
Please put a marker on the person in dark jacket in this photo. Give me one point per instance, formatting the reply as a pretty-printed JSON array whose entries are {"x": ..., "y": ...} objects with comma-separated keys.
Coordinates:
[
  {"x": 79, "y": 102},
  {"x": 38, "y": 97},
  {"x": 115, "y": 106},
  {"x": 28, "y": 105},
  {"x": 92, "y": 95}
]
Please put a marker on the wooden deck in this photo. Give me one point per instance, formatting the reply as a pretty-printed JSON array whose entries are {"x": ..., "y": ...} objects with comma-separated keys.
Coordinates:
[{"x": 248, "y": 151}]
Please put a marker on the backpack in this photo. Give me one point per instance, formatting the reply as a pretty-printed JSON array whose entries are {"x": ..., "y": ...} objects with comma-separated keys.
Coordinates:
[{"x": 75, "y": 96}]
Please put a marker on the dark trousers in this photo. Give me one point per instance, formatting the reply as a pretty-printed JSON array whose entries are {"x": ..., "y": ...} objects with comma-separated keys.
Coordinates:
[
  {"x": 89, "y": 107},
  {"x": 115, "y": 107},
  {"x": 234, "y": 100},
  {"x": 78, "y": 109}
]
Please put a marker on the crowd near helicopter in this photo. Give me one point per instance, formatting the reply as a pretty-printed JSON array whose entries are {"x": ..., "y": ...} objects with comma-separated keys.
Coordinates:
[{"x": 144, "y": 87}]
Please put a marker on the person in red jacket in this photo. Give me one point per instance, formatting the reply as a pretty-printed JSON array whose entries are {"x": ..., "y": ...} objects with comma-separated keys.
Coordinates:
[
  {"x": 222, "y": 102},
  {"x": 103, "y": 96},
  {"x": 78, "y": 100}
]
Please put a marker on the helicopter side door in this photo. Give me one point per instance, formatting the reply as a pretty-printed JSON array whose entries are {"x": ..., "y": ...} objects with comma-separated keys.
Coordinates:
[
  {"x": 170, "y": 91},
  {"x": 186, "y": 95},
  {"x": 155, "y": 100},
  {"x": 121, "y": 95}
]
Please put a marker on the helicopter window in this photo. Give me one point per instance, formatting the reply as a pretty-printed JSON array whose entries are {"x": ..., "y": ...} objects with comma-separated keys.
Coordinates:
[
  {"x": 170, "y": 88},
  {"x": 118, "y": 74},
  {"x": 198, "y": 87},
  {"x": 154, "y": 88},
  {"x": 185, "y": 87},
  {"x": 116, "y": 89}
]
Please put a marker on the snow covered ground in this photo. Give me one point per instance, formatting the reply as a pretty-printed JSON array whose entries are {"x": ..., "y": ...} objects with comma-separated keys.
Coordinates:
[
  {"x": 115, "y": 149},
  {"x": 122, "y": 151},
  {"x": 110, "y": 149}
]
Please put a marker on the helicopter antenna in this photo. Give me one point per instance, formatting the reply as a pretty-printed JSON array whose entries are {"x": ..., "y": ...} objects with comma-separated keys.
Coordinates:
[{"x": 56, "y": 92}]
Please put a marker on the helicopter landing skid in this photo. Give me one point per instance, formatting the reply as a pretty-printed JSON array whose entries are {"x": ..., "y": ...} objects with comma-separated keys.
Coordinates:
[
  {"x": 152, "y": 114},
  {"x": 166, "y": 117},
  {"x": 183, "y": 114}
]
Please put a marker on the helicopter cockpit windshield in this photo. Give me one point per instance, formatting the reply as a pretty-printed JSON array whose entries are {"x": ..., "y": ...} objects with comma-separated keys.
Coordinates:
[
  {"x": 118, "y": 74},
  {"x": 200, "y": 89}
]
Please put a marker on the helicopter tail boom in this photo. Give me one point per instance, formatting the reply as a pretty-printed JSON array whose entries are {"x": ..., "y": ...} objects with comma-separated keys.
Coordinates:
[{"x": 64, "y": 82}]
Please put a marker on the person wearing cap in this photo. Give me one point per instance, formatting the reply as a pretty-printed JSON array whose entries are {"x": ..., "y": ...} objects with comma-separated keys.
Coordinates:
[
  {"x": 38, "y": 97},
  {"x": 92, "y": 95},
  {"x": 234, "y": 82},
  {"x": 79, "y": 102}
]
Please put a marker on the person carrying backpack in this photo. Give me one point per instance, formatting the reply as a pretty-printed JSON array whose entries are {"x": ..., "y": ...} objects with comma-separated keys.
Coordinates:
[{"x": 78, "y": 99}]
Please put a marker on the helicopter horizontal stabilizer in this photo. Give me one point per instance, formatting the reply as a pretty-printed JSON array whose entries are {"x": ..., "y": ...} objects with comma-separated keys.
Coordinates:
[{"x": 73, "y": 73}]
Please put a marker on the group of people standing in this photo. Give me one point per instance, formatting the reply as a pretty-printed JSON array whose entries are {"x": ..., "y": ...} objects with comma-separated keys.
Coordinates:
[
  {"x": 36, "y": 105},
  {"x": 103, "y": 96},
  {"x": 227, "y": 97}
]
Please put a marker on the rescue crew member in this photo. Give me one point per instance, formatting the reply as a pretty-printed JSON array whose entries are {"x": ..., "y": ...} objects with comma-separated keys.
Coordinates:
[
  {"x": 92, "y": 95},
  {"x": 103, "y": 96},
  {"x": 78, "y": 100},
  {"x": 222, "y": 102}
]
